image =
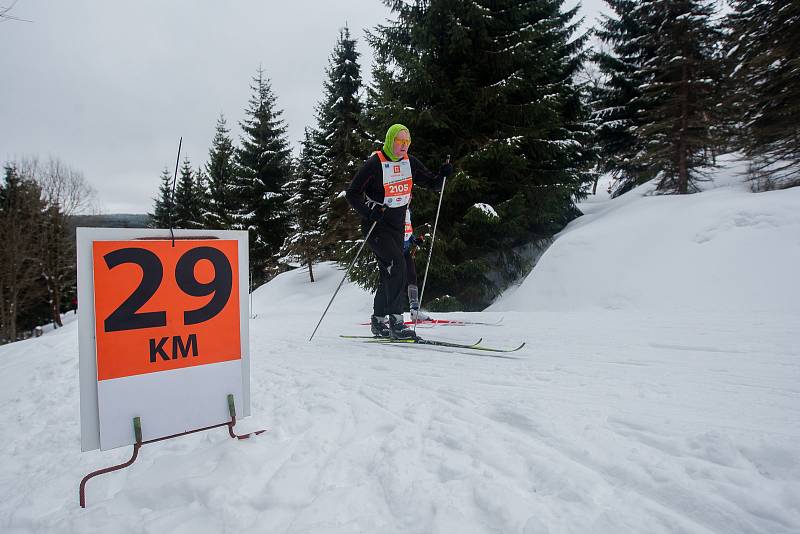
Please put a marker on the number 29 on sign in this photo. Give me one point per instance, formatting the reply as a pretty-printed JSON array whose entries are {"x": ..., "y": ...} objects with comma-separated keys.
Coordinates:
[{"x": 160, "y": 307}]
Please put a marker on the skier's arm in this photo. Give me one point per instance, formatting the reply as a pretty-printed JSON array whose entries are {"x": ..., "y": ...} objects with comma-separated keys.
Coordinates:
[{"x": 355, "y": 191}]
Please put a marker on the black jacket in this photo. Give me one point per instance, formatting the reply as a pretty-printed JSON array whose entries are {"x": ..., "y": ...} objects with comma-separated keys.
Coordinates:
[{"x": 369, "y": 181}]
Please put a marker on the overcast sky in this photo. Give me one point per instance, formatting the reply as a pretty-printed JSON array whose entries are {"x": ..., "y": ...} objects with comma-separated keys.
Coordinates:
[{"x": 109, "y": 86}]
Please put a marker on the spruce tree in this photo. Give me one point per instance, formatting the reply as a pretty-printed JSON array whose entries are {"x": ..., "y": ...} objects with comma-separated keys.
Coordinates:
[
  {"x": 56, "y": 259},
  {"x": 763, "y": 48},
  {"x": 491, "y": 84},
  {"x": 23, "y": 294},
  {"x": 188, "y": 198},
  {"x": 264, "y": 163},
  {"x": 617, "y": 102},
  {"x": 306, "y": 195},
  {"x": 160, "y": 217},
  {"x": 64, "y": 191},
  {"x": 223, "y": 203},
  {"x": 182, "y": 209},
  {"x": 341, "y": 135},
  {"x": 678, "y": 93},
  {"x": 202, "y": 198}
]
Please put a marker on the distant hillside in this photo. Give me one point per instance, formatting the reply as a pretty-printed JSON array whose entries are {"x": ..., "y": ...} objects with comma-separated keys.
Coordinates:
[{"x": 112, "y": 220}]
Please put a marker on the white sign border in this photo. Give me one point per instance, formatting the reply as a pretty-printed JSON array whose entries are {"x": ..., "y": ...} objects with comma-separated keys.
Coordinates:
[{"x": 90, "y": 418}]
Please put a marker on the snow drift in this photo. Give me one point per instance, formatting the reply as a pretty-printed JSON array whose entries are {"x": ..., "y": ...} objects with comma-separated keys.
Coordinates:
[{"x": 724, "y": 249}]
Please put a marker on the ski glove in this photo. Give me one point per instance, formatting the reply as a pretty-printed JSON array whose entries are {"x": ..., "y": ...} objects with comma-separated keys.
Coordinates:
[
  {"x": 446, "y": 170},
  {"x": 376, "y": 215}
]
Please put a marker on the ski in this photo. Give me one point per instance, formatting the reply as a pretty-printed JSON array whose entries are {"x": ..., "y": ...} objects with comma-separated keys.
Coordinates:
[
  {"x": 493, "y": 349},
  {"x": 449, "y": 322},
  {"x": 421, "y": 341},
  {"x": 455, "y": 322}
]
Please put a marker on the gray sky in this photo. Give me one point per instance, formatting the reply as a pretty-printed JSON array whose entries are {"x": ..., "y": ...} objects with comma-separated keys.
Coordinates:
[{"x": 110, "y": 86}]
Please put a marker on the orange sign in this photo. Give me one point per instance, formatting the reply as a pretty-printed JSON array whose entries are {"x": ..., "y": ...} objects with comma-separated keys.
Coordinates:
[{"x": 160, "y": 308}]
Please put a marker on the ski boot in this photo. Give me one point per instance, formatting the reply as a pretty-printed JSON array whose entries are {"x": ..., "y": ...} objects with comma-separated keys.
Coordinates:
[
  {"x": 413, "y": 304},
  {"x": 398, "y": 329},
  {"x": 379, "y": 326},
  {"x": 419, "y": 316}
]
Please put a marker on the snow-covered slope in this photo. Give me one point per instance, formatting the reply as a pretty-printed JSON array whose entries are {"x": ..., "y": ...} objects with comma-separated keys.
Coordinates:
[
  {"x": 658, "y": 393},
  {"x": 722, "y": 250}
]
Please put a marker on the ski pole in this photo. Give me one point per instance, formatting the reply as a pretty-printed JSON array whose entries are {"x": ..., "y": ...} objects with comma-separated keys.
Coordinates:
[
  {"x": 343, "y": 279},
  {"x": 430, "y": 251},
  {"x": 172, "y": 196}
]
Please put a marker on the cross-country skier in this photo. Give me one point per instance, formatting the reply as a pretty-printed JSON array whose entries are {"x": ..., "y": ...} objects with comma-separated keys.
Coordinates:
[{"x": 380, "y": 192}]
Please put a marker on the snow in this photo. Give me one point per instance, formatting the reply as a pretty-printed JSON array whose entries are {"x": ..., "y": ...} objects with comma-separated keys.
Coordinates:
[
  {"x": 658, "y": 393},
  {"x": 487, "y": 210},
  {"x": 693, "y": 252}
]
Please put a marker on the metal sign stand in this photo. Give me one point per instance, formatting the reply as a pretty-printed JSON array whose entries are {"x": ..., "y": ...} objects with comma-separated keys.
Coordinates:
[{"x": 137, "y": 429}]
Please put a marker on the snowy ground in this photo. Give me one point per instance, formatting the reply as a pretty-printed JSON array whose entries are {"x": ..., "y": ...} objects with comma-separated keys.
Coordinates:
[{"x": 659, "y": 392}]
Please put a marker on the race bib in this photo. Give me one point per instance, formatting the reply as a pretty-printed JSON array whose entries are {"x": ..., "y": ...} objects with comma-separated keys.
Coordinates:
[
  {"x": 397, "y": 182},
  {"x": 408, "y": 228}
]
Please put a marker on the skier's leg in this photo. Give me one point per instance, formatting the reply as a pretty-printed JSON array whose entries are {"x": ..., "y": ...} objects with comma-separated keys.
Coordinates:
[
  {"x": 388, "y": 248},
  {"x": 396, "y": 280},
  {"x": 413, "y": 291},
  {"x": 396, "y": 290},
  {"x": 378, "y": 244}
]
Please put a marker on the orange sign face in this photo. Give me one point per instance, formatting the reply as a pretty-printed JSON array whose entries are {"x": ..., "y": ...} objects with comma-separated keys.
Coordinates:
[{"x": 160, "y": 308}]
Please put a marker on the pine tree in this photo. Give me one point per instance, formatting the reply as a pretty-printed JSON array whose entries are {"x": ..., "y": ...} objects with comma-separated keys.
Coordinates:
[
  {"x": 223, "y": 203},
  {"x": 160, "y": 218},
  {"x": 202, "y": 198},
  {"x": 678, "y": 94},
  {"x": 306, "y": 194},
  {"x": 63, "y": 191},
  {"x": 56, "y": 259},
  {"x": 617, "y": 101},
  {"x": 264, "y": 162},
  {"x": 188, "y": 201},
  {"x": 763, "y": 47},
  {"x": 492, "y": 84},
  {"x": 342, "y": 138},
  {"x": 21, "y": 230}
]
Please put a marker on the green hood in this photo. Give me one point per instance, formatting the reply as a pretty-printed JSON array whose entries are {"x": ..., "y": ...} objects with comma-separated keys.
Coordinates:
[{"x": 394, "y": 129}]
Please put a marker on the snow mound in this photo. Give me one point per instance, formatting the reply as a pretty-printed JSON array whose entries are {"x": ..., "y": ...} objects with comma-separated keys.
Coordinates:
[
  {"x": 722, "y": 249},
  {"x": 293, "y": 292}
]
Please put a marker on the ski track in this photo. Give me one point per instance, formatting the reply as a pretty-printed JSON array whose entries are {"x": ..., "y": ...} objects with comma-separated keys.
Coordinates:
[
  {"x": 591, "y": 436},
  {"x": 434, "y": 445}
]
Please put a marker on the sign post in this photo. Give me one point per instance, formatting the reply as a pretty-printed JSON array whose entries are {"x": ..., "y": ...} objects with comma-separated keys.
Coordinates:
[{"x": 163, "y": 336}]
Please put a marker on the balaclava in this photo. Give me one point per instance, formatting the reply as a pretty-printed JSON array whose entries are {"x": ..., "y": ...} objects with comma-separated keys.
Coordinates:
[{"x": 391, "y": 133}]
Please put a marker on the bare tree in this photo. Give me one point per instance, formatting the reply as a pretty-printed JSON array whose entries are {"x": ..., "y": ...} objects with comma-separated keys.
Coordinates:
[
  {"x": 5, "y": 13},
  {"x": 61, "y": 185}
]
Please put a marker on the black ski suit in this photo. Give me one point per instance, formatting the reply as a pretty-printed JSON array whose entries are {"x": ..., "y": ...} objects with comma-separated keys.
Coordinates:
[{"x": 386, "y": 240}]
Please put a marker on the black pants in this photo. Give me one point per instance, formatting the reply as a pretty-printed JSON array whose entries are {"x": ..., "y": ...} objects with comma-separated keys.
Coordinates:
[{"x": 387, "y": 245}]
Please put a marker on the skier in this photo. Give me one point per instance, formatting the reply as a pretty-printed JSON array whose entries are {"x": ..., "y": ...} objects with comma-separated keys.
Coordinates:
[
  {"x": 380, "y": 192},
  {"x": 411, "y": 240}
]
